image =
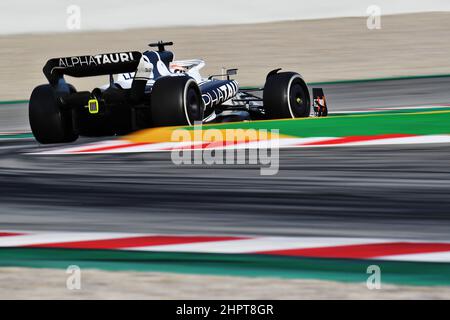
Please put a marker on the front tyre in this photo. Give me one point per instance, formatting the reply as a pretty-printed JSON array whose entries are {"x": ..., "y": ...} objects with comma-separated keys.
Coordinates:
[
  {"x": 286, "y": 95},
  {"x": 176, "y": 101},
  {"x": 49, "y": 122}
]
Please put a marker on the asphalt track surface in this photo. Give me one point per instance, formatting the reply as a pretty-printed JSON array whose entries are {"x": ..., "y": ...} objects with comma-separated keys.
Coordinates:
[{"x": 383, "y": 191}]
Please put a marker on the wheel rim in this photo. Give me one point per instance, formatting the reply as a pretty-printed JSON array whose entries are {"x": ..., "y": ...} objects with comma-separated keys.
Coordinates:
[
  {"x": 193, "y": 105},
  {"x": 297, "y": 98}
]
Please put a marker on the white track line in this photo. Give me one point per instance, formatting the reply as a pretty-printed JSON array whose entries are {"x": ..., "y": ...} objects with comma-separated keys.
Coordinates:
[
  {"x": 422, "y": 257},
  {"x": 128, "y": 147},
  {"x": 56, "y": 237},
  {"x": 260, "y": 244},
  {"x": 380, "y": 110}
]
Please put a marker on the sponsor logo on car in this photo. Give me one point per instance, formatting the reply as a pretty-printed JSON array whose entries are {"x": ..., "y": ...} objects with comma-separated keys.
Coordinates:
[
  {"x": 220, "y": 94},
  {"x": 99, "y": 59}
]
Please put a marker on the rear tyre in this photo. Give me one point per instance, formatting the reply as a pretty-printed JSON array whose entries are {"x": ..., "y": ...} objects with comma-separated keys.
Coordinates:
[
  {"x": 49, "y": 122},
  {"x": 176, "y": 101},
  {"x": 286, "y": 95}
]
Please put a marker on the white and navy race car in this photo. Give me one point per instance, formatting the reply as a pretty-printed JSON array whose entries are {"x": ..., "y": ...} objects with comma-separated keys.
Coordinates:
[{"x": 150, "y": 89}]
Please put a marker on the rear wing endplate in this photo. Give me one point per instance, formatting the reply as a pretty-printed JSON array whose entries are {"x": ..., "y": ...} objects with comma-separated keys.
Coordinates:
[{"x": 319, "y": 103}]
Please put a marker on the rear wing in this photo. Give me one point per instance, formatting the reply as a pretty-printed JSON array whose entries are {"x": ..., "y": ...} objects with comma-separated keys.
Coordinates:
[{"x": 91, "y": 65}]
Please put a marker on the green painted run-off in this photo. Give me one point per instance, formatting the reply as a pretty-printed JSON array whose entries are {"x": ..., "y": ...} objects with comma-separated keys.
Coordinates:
[
  {"x": 418, "y": 122},
  {"x": 247, "y": 265},
  {"x": 16, "y": 136}
]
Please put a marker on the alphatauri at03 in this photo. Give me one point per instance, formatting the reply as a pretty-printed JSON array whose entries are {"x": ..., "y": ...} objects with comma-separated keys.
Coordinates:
[{"x": 150, "y": 89}]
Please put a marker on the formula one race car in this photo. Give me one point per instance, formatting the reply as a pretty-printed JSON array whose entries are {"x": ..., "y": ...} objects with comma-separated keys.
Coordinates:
[{"x": 151, "y": 90}]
